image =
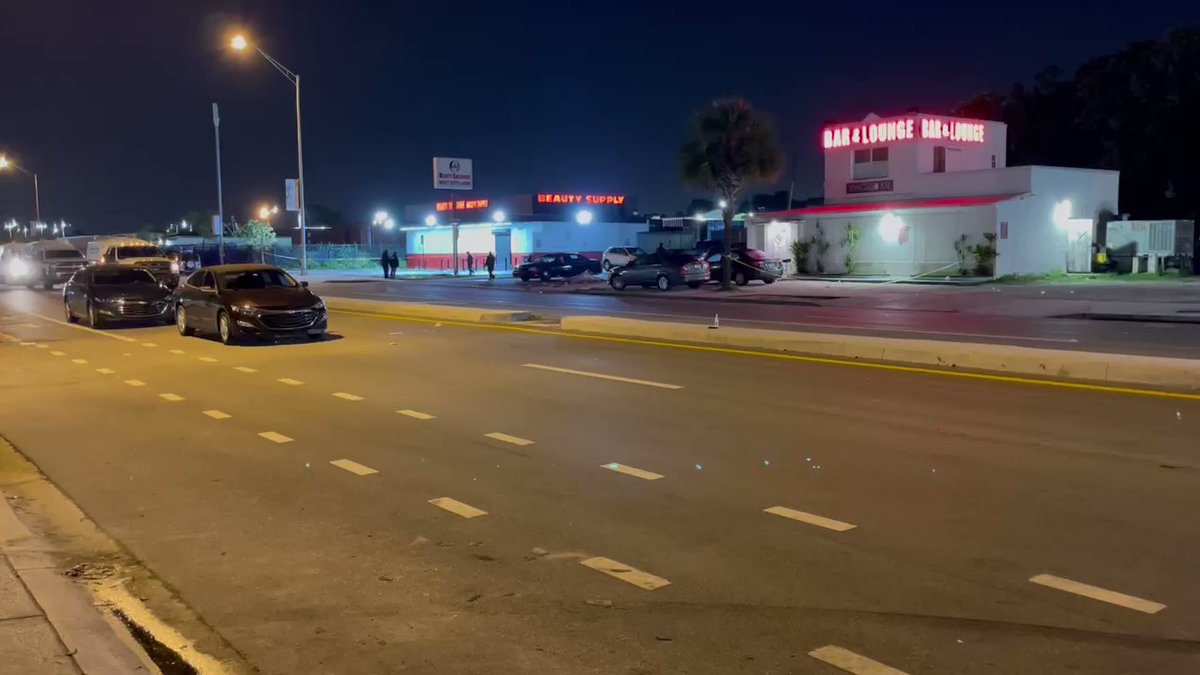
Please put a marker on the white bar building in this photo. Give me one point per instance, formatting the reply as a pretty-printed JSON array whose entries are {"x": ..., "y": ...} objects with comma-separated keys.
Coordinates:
[{"x": 908, "y": 188}]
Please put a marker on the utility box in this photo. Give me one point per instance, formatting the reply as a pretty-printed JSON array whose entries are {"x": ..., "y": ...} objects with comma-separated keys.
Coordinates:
[{"x": 1173, "y": 242}]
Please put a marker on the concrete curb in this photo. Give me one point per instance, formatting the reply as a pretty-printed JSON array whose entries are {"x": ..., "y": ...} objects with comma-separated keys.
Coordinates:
[
  {"x": 1116, "y": 369},
  {"x": 91, "y": 641},
  {"x": 445, "y": 313}
]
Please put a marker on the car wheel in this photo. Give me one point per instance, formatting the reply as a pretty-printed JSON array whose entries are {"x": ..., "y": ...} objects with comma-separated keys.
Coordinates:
[
  {"x": 740, "y": 279},
  {"x": 769, "y": 280},
  {"x": 524, "y": 277},
  {"x": 70, "y": 315},
  {"x": 181, "y": 322},
  {"x": 693, "y": 284},
  {"x": 545, "y": 275},
  {"x": 225, "y": 329},
  {"x": 617, "y": 282},
  {"x": 606, "y": 266},
  {"x": 663, "y": 282},
  {"x": 94, "y": 320}
]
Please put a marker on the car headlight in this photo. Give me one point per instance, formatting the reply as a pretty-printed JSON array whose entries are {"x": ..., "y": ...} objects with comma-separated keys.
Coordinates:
[
  {"x": 246, "y": 310},
  {"x": 174, "y": 267},
  {"x": 18, "y": 267},
  {"x": 110, "y": 301},
  {"x": 320, "y": 306}
]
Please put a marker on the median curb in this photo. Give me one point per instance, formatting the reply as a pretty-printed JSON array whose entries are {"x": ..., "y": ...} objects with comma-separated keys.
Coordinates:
[
  {"x": 1123, "y": 369},
  {"x": 419, "y": 311}
]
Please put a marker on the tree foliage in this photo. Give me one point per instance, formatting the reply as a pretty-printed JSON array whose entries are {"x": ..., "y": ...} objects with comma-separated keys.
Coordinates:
[
  {"x": 1133, "y": 111},
  {"x": 730, "y": 148}
]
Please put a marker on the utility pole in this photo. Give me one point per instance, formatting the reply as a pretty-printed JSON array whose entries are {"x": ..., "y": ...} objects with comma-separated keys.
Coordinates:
[{"x": 220, "y": 193}]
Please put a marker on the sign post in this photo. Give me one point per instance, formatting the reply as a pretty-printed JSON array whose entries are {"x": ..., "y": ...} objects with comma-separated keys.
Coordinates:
[{"x": 453, "y": 173}]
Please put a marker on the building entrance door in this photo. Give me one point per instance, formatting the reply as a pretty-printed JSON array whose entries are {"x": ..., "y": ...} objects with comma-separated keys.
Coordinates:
[{"x": 503, "y": 240}]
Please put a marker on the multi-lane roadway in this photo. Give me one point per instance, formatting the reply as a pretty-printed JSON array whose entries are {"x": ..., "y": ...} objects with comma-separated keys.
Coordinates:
[{"x": 423, "y": 496}]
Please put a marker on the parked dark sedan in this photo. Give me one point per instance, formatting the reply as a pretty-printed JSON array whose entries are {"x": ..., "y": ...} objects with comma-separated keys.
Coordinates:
[
  {"x": 661, "y": 270},
  {"x": 103, "y": 294},
  {"x": 234, "y": 301},
  {"x": 749, "y": 264},
  {"x": 547, "y": 266}
]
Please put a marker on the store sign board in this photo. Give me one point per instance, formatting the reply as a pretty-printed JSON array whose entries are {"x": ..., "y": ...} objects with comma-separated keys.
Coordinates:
[
  {"x": 453, "y": 173},
  {"x": 869, "y": 186},
  {"x": 598, "y": 200},
  {"x": 462, "y": 205},
  {"x": 903, "y": 129}
]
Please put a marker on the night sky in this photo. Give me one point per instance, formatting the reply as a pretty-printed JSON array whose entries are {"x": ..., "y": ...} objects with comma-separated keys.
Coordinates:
[{"x": 110, "y": 100}]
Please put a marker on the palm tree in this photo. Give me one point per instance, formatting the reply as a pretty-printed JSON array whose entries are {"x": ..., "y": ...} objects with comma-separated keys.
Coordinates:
[{"x": 732, "y": 147}]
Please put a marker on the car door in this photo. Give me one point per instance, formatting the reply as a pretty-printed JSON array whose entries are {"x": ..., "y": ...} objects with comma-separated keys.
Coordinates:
[
  {"x": 639, "y": 270},
  {"x": 203, "y": 308},
  {"x": 576, "y": 264},
  {"x": 75, "y": 291},
  {"x": 714, "y": 265}
]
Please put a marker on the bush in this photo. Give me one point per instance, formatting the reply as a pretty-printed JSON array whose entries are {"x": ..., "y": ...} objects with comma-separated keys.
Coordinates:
[
  {"x": 985, "y": 255},
  {"x": 800, "y": 251}
]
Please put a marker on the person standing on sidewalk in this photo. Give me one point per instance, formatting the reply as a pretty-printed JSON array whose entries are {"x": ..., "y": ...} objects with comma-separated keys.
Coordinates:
[
  {"x": 470, "y": 264},
  {"x": 394, "y": 263},
  {"x": 384, "y": 261},
  {"x": 490, "y": 263}
]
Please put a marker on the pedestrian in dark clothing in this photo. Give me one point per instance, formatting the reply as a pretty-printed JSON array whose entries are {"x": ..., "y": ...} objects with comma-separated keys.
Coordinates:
[
  {"x": 384, "y": 261},
  {"x": 394, "y": 263},
  {"x": 661, "y": 251},
  {"x": 490, "y": 263},
  {"x": 470, "y": 263}
]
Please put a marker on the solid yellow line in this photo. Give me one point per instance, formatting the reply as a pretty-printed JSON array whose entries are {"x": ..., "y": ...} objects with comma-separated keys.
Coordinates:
[{"x": 1010, "y": 379}]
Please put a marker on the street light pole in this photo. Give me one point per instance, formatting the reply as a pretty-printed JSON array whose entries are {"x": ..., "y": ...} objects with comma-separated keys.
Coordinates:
[
  {"x": 239, "y": 43},
  {"x": 37, "y": 197},
  {"x": 220, "y": 192}
]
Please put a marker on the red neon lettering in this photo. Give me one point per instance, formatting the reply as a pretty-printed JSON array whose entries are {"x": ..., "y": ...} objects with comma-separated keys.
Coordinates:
[{"x": 827, "y": 139}]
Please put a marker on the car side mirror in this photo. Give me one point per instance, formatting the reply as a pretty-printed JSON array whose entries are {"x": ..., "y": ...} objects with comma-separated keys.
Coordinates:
[{"x": 304, "y": 284}]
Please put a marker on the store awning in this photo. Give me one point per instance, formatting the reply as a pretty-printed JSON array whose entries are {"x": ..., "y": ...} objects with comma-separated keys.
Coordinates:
[{"x": 872, "y": 207}]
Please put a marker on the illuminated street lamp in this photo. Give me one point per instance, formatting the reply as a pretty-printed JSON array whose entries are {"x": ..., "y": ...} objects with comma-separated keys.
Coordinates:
[
  {"x": 10, "y": 226},
  {"x": 267, "y": 211},
  {"x": 241, "y": 43},
  {"x": 37, "y": 199},
  {"x": 499, "y": 216}
]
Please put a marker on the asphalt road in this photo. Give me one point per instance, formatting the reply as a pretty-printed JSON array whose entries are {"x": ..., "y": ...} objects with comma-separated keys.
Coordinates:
[
  {"x": 812, "y": 314},
  {"x": 959, "y": 491}
]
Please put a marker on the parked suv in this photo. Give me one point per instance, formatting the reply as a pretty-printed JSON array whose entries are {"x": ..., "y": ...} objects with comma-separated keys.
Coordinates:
[
  {"x": 44, "y": 263},
  {"x": 616, "y": 256}
]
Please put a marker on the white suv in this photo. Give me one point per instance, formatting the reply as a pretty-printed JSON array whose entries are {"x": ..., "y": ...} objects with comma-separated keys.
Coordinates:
[{"x": 616, "y": 256}]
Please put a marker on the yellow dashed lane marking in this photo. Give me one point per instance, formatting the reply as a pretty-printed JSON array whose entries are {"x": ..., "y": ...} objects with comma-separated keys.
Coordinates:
[
  {"x": 458, "y": 508},
  {"x": 630, "y": 575}
]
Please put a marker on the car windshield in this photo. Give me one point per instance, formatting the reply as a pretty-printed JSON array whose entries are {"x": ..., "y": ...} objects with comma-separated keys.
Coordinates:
[
  {"x": 636, "y": 251},
  {"x": 71, "y": 254},
  {"x": 122, "y": 277},
  {"x": 257, "y": 279},
  {"x": 147, "y": 251}
]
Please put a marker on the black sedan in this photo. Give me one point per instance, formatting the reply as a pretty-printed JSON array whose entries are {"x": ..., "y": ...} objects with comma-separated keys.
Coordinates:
[
  {"x": 547, "y": 266},
  {"x": 234, "y": 301},
  {"x": 748, "y": 265},
  {"x": 663, "y": 270},
  {"x": 104, "y": 294}
]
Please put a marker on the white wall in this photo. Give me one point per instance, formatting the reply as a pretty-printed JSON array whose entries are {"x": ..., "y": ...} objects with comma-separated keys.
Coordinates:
[
  {"x": 1035, "y": 243},
  {"x": 910, "y": 164},
  {"x": 534, "y": 237},
  {"x": 928, "y": 246}
]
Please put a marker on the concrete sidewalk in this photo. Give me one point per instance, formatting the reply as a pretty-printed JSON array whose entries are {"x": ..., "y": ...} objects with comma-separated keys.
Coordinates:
[{"x": 48, "y": 624}]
